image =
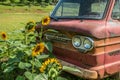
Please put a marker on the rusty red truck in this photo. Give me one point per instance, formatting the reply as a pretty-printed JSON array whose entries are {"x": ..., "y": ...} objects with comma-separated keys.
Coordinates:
[{"x": 88, "y": 36}]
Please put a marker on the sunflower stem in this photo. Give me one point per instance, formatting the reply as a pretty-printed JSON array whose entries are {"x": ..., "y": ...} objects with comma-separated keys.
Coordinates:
[
  {"x": 26, "y": 38},
  {"x": 41, "y": 33},
  {"x": 7, "y": 48},
  {"x": 33, "y": 64}
]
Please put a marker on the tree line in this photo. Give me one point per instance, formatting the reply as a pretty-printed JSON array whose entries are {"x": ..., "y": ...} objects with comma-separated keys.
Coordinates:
[{"x": 31, "y": 1}]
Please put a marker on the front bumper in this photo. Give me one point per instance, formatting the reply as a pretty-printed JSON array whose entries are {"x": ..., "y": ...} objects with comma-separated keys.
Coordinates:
[{"x": 84, "y": 73}]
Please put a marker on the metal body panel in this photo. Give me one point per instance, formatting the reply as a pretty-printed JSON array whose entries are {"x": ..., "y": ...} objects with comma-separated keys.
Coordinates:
[
  {"x": 105, "y": 56},
  {"x": 95, "y": 28}
]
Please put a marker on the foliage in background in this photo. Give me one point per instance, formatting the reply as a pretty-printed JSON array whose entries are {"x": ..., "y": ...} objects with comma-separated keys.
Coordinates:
[{"x": 28, "y": 2}]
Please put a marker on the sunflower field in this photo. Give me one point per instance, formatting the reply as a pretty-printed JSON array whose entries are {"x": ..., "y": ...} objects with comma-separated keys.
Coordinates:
[{"x": 25, "y": 58}]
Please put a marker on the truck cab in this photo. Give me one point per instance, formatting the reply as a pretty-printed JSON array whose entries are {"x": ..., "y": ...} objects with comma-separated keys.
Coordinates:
[{"x": 87, "y": 37}]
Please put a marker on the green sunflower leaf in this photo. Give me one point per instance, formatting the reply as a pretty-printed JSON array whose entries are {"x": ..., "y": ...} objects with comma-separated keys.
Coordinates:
[
  {"x": 20, "y": 78},
  {"x": 49, "y": 47},
  {"x": 9, "y": 69},
  {"x": 42, "y": 56},
  {"x": 52, "y": 30},
  {"x": 28, "y": 52},
  {"x": 61, "y": 78},
  {"x": 13, "y": 60},
  {"x": 30, "y": 76},
  {"x": 41, "y": 77},
  {"x": 24, "y": 65},
  {"x": 37, "y": 63}
]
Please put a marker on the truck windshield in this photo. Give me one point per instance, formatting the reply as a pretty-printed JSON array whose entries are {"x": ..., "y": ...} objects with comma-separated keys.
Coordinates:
[{"x": 86, "y": 9}]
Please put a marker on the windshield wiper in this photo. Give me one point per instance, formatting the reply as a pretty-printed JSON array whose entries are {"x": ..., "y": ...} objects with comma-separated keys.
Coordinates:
[{"x": 52, "y": 17}]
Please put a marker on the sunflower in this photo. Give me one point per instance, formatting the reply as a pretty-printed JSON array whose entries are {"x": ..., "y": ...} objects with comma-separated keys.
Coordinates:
[
  {"x": 32, "y": 21},
  {"x": 39, "y": 48},
  {"x": 4, "y": 35},
  {"x": 48, "y": 62},
  {"x": 45, "y": 20},
  {"x": 30, "y": 26}
]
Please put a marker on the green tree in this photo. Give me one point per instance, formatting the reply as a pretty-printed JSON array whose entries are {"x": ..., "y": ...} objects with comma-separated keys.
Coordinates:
[
  {"x": 40, "y": 1},
  {"x": 31, "y": 1},
  {"x": 54, "y": 1},
  {"x": 22, "y": 1},
  {"x": 3, "y": 0},
  {"x": 12, "y": 1},
  {"x": 48, "y": 1}
]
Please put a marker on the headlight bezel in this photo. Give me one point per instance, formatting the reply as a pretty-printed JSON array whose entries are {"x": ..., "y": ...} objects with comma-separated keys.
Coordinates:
[
  {"x": 91, "y": 43},
  {"x": 84, "y": 47},
  {"x": 73, "y": 41}
]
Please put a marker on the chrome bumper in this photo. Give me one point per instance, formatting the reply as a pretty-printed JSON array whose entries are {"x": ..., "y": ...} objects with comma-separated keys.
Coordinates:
[{"x": 84, "y": 73}]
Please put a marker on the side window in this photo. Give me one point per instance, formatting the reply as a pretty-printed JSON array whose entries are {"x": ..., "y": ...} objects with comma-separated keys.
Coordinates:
[{"x": 116, "y": 10}]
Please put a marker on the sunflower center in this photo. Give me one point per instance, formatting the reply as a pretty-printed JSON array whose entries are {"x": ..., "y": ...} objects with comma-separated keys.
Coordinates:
[
  {"x": 37, "y": 49},
  {"x": 45, "y": 20},
  {"x": 4, "y": 35}
]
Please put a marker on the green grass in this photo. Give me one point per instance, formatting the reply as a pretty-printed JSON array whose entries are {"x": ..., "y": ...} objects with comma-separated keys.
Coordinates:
[
  {"x": 16, "y": 18},
  {"x": 25, "y": 9},
  {"x": 14, "y": 21}
]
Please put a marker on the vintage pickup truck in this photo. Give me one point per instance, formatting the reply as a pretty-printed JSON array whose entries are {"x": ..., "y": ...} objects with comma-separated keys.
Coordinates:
[{"x": 88, "y": 36}]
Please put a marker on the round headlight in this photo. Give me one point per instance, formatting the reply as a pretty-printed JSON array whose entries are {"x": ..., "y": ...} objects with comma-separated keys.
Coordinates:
[
  {"x": 88, "y": 43},
  {"x": 76, "y": 41}
]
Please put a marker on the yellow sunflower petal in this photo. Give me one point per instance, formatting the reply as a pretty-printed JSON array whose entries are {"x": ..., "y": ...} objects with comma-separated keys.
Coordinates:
[
  {"x": 30, "y": 26},
  {"x": 3, "y": 35},
  {"x": 39, "y": 48},
  {"x": 45, "y": 20},
  {"x": 49, "y": 61}
]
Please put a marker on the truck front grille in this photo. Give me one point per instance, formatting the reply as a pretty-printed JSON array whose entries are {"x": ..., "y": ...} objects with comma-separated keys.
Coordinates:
[{"x": 57, "y": 37}]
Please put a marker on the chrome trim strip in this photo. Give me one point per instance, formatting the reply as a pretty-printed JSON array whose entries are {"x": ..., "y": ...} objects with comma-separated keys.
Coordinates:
[
  {"x": 57, "y": 37},
  {"x": 84, "y": 73}
]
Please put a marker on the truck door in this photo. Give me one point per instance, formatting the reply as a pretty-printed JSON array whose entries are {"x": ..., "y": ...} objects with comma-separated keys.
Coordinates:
[{"x": 112, "y": 42}]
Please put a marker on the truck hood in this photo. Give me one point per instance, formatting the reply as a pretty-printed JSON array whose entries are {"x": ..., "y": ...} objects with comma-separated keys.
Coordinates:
[{"x": 85, "y": 27}]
